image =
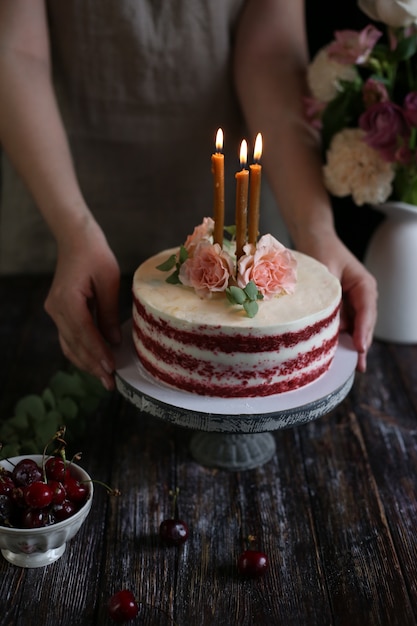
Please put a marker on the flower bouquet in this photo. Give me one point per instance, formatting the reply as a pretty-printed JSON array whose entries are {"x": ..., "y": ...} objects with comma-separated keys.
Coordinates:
[{"x": 364, "y": 103}]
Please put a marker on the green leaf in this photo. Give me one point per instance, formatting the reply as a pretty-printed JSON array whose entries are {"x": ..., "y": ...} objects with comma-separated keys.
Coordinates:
[
  {"x": 48, "y": 398},
  {"x": 31, "y": 405},
  {"x": 236, "y": 295},
  {"x": 67, "y": 384},
  {"x": 168, "y": 264},
  {"x": 251, "y": 290},
  {"x": 174, "y": 279},
  {"x": 251, "y": 308},
  {"x": 405, "y": 49},
  {"x": 30, "y": 446},
  {"x": 68, "y": 408},
  {"x": 9, "y": 450},
  {"x": 183, "y": 255},
  {"x": 342, "y": 112},
  {"x": 19, "y": 422},
  {"x": 230, "y": 230}
]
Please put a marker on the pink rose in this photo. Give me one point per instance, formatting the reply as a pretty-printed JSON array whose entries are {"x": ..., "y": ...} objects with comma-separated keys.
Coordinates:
[
  {"x": 208, "y": 270},
  {"x": 200, "y": 233},
  {"x": 410, "y": 108},
  {"x": 385, "y": 128},
  {"x": 353, "y": 47},
  {"x": 374, "y": 91},
  {"x": 271, "y": 266}
]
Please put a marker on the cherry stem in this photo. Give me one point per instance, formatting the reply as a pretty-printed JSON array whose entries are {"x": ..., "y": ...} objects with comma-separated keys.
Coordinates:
[
  {"x": 174, "y": 495},
  {"x": 111, "y": 492}
]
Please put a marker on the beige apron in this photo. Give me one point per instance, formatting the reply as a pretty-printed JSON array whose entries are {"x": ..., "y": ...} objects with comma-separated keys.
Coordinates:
[{"x": 143, "y": 86}]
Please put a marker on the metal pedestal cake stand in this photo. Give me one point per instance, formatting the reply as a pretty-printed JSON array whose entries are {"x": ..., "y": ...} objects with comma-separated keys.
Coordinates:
[{"x": 234, "y": 433}]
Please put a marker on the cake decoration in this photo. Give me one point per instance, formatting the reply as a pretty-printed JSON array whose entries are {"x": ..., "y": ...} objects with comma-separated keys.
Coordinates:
[
  {"x": 187, "y": 335},
  {"x": 244, "y": 268}
]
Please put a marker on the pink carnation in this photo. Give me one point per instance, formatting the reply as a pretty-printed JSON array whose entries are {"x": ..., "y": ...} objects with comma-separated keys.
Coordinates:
[
  {"x": 374, "y": 91},
  {"x": 385, "y": 127},
  {"x": 353, "y": 47},
  {"x": 270, "y": 265},
  {"x": 207, "y": 270},
  {"x": 202, "y": 232}
]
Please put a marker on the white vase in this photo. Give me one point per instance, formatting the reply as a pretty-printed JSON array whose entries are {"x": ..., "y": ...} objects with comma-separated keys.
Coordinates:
[{"x": 392, "y": 258}]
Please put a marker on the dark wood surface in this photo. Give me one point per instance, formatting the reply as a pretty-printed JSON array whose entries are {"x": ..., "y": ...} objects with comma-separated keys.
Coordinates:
[{"x": 335, "y": 509}]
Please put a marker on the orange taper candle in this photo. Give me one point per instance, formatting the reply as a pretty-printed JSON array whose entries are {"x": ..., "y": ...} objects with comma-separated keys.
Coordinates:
[
  {"x": 255, "y": 191},
  {"x": 242, "y": 185},
  {"x": 217, "y": 167}
]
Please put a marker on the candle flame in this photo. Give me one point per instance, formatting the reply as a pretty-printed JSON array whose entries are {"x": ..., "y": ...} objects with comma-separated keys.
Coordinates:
[
  {"x": 219, "y": 140},
  {"x": 243, "y": 153},
  {"x": 257, "y": 153}
]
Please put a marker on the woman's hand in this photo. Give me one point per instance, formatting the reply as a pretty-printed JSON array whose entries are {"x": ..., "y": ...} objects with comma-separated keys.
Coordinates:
[
  {"x": 83, "y": 303},
  {"x": 359, "y": 305}
]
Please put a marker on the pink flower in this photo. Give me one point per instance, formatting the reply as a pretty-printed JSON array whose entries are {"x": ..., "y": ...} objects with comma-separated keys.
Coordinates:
[
  {"x": 270, "y": 265},
  {"x": 404, "y": 156},
  {"x": 410, "y": 108},
  {"x": 353, "y": 47},
  {"x": 385, "y": 128},
  {"x": 202, "y": 232},
  {"x": 208, "y": 269},
  {"x": 374, "y": 91}
]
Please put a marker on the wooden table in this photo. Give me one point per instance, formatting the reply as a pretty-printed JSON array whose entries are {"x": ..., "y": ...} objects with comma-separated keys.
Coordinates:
[{"x": 335, "y": 509}]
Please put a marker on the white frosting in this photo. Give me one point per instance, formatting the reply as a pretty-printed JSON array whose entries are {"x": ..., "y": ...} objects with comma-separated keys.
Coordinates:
[{"x": 316, "y": 298}]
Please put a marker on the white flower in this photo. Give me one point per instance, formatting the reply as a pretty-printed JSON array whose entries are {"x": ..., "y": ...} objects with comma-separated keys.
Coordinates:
[
  {"x": 324, "y": 76},
  {"x": 354, "y": 168},
  {"x": 394, "y": 13}
]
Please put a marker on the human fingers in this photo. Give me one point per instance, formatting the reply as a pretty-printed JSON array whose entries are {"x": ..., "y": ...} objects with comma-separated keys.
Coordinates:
[
  {"x": 359, "y": 312},
  {"x": 81, "y": 341}
]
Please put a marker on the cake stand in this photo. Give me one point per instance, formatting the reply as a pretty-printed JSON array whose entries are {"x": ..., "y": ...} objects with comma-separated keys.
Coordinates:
[{"x": 233, "y": 433}]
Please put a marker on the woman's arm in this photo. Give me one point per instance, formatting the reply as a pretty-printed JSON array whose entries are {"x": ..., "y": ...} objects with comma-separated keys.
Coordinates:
[
  {"x": 269, "y": 68},
  {"x": 33, "y": 136}
]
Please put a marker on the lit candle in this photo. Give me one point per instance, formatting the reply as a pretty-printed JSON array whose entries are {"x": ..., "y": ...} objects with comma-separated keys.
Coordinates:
[
  {"x": 217, "y": 167},
  {"x": 255, "y": 191},
  {"x": 242, "y": 185}
]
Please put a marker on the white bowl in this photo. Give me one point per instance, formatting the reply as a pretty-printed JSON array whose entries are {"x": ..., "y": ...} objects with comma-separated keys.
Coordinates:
[{"x": 37, "y": 547}]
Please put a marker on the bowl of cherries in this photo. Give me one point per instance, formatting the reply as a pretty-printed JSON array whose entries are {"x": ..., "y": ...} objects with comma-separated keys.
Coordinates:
[{"x": 44, "y": 500}]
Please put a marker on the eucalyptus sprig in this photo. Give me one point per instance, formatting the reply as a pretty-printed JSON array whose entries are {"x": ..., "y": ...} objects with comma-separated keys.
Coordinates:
[
  {"x": 69, "y": 397},
  {"x": 246, "y": 297},
  {"x": 174, "y": 262}
]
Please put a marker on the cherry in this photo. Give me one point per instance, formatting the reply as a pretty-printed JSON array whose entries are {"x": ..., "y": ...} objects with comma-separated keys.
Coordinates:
[
  {"x": 6, "y": 484},
  {"x": 122, "y": 606},
  {"x": 64, "y": 510},
  {"x": 38, "y": 495},
  {"x": 173, "y": 532},
  {"x": 25, "y": 472},
  {"x": 76, "y": 491},
  {"x": 58, "y": 491},
  {"x": 55, "y": 468},
  {"x": 36, "y": 518},
  {"x": 252, "y": 563}
]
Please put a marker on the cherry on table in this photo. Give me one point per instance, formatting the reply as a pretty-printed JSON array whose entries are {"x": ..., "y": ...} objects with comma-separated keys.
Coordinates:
[
  {"x": 122, "y": 606},
  {"x": 173, "y": 531},
  {"x": 252, "y": 563}
]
